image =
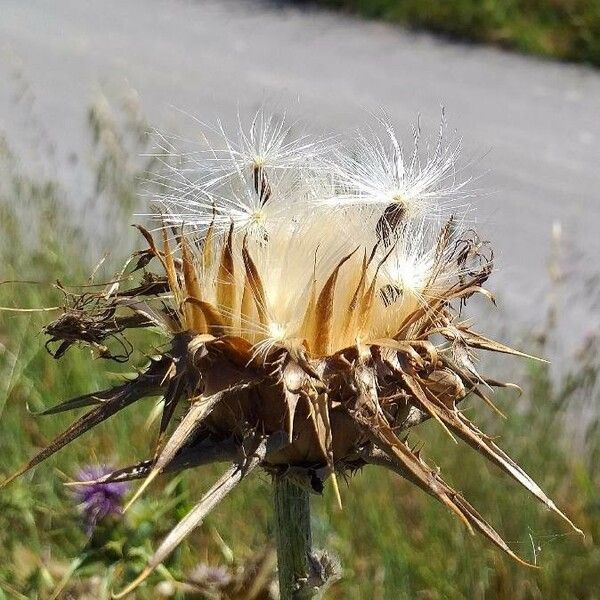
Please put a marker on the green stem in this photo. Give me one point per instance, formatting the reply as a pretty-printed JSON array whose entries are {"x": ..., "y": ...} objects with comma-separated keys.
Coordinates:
[{"x": 294, "y": 540}]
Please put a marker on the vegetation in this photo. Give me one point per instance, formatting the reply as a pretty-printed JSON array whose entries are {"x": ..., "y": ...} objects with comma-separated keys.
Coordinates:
[
  {"x": 564, "y": 29},
  {"x": 393, "y": 541}
]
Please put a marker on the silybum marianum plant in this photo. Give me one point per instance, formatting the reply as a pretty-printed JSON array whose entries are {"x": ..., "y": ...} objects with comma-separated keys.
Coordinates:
[{"x": 310, "y": 296}]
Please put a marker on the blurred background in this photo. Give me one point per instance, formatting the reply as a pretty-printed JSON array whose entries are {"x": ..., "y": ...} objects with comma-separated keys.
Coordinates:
[{"x": 84, "y": 83}]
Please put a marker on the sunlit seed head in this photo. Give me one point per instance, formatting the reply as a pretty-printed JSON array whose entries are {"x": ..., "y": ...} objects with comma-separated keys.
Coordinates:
[{"x": 352, "y": 316}]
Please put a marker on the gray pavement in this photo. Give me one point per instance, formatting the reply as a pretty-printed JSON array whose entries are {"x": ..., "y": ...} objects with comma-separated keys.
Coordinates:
[{"x": 530, "y": 127}]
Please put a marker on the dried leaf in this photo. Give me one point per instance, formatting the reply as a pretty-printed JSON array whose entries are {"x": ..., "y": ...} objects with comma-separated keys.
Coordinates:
[
  {"x": 190, "y": 422},
  {"x": 79, "y": 402},
  {"x": 232, "y": 477},
  {"x": 381, "y": 459},
  {"x": 123, "y": 395},
  {"x": 324, "y": 311},
  {"x": 170, "y": 270},
  {"x": 194, "y": 314},
  {"x": 214, "y": 321},
  {"x": 256, "y": 285},
  {"x": 476, "y": 340},
  {"x": 226, "y": 292},
  {"x": 475, "y": 438},
  {"x": 293, "y": 378}
]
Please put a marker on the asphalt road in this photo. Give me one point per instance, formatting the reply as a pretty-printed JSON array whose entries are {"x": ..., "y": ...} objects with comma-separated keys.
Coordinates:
[{"x": 531, "y": 128}]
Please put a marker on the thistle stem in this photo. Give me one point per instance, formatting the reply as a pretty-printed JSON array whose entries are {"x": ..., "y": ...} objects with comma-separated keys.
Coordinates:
[{"x": 294, "y": 539}]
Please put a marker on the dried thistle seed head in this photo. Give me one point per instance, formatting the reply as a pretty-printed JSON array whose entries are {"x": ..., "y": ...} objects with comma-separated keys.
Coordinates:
[{"x": 309, "y": 348}]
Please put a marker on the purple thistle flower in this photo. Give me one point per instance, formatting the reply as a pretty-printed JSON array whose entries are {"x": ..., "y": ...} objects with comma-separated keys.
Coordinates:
[
  {"x": 211, "y": 576},
  {"x": 98, "y": 500}
]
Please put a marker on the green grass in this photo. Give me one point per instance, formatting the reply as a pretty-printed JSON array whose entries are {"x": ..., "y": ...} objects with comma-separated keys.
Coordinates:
[
  {"x": 393, "y": 542},
  {"x": 564, "y": 29}
]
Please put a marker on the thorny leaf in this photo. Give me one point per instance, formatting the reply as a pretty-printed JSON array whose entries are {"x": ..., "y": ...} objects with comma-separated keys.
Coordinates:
[
  {"x": 324, "y": 310},
  {"x": 117, "y": 399},
  {"x": 196, "y": 515}
]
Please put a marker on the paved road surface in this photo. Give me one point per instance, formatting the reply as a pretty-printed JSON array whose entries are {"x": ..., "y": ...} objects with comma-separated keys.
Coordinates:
[{"x": 539, "y": 121}]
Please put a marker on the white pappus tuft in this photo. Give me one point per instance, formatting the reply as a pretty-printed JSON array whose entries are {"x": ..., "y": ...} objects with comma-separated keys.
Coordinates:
[
  {"x": 226, "y": 183},
  {"x": 378, "y": 173}
]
